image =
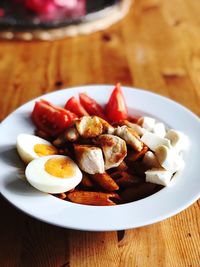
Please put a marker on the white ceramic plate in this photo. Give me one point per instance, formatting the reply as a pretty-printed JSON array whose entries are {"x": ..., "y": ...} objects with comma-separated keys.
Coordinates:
[{"x": 183, "y": 191}]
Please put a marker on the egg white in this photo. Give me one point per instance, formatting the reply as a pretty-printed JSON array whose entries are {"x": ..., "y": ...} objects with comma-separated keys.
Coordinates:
[
  {"x": 40, "y": 179},
  {"x": 25, "y": 146}
]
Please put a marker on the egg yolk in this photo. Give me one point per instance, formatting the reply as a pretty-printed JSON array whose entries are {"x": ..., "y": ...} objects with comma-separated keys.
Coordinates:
[
  {"x": 60, "y": 167},
  {"x": 45, "y": 150}
]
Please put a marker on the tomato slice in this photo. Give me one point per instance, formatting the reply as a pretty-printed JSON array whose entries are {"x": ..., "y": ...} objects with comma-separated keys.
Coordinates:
[
  {"x": 91, "y": 106},
  {"x": 75, "y": 106},
  {"x": 67, "y": 113},
  {"x": 116, "y": 108},
  {"x": 51, "y": 119}
]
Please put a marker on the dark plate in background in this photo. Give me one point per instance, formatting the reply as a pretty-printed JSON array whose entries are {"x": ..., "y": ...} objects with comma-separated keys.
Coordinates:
[{"x": 20, "y": 18}]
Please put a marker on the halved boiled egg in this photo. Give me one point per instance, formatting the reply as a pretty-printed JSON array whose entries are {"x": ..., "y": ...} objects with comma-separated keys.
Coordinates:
[
  {"x": 53, "y": 174},
  {"x": 30, "y": 147}
]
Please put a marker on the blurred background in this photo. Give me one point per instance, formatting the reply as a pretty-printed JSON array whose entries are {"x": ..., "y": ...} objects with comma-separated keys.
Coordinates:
[{"x": 52, "y": 44}]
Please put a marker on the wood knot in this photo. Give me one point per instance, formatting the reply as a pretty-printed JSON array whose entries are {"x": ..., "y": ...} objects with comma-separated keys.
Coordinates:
[
  {"x": 58, "y": 83},
  {"x": 106, "y": 37}
]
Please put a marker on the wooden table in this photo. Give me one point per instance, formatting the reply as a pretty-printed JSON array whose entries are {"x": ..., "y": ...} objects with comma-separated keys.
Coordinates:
[{"x": 156, "y": 47}]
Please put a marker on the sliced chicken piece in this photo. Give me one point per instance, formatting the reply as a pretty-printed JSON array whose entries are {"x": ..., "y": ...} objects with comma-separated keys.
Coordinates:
[
  {"x": 137, "y": 128},
  {"x": 89, "y": 126},
  {"x": 130, "y": 136},
  {"x": 107, "y": 128},
  {"x": 89, "y": 158},
  {"x": 71, "y": 134},
  {"x": 114, "y": 149}
]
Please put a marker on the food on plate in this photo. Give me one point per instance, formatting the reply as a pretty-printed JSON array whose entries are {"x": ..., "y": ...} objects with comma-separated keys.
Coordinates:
[
  {"x": 89, "y": 126},
  {"x": 159, "y": 129},
  {"x": 75, "y": 106},
  {"x": 136, "y": 127},
  {"x": 30, "y": 147},
  {"x": 91, "y": 160},
  {"x": 135, "y": 155},
  {"x": 114, "y": 149},
  {"x": 53, "y": 174},
  {"x": 150, "y": 160},
  {"x": 153, "y": 140},
  {"x": 91, "y": 105},
  {"x": 168, "y": 158},
  {"x": 147, "y": 123},
  {"x": 105, "y": 181},
  {"x": 179, "y": 141},
  {"x": 69, "y": 135},
  {"x": 159, "y": 176},
  {"x": 51, "y": 119},
  {"x": 116, "y": 109},
  {"x": 130, "y": 136},
  {"x": 93, "y": 198}
]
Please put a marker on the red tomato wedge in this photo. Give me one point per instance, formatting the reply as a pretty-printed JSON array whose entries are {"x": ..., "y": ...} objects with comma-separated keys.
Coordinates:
[
  {"x": 91, "y": 106},
  {"x": 51, "y": 119},
  {"x": 67, "y": 113},
  {"x": 116, "y": 109},
  {"x": 75, "y": 106}
]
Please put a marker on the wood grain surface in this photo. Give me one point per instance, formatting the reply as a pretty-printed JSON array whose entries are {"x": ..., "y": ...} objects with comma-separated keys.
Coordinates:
[{"x": 156, "y": 47}]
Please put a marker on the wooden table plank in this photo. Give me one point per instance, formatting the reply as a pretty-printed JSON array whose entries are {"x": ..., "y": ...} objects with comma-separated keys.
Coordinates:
[{"x": 156, "y": 47}]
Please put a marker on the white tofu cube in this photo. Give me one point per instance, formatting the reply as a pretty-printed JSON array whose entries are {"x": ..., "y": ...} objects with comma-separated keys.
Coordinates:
[
  {"x": 169, "y": 159},
  {"x": 153, "y": 141},
  {"x": 159, "y": 129},
  {"x": 147, "y": 122},
  {"x": 158, "y": 176},
  {"x": 179, "y": 140}
]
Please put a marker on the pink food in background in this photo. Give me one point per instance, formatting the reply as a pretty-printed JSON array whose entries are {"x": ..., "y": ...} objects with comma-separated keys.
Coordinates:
[
  {"x": 71, "y": 7},
  {"x": 2, "y": 12},
  {"x": 40, "y": 6}
]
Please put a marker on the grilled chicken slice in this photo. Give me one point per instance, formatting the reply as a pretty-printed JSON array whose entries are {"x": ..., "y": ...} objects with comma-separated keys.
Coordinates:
[
  {"x": 107, "y": 128},
  {"x": 71, "y": 134},
  {"x": 89, "y": 126},
  {"x": 130, "y": 136},
  {"x": 92, "y": 126},
  {"x": 114, "y": 149},
  {"x": 137, "y": 128},
  {"x": 89, "y": 158}
]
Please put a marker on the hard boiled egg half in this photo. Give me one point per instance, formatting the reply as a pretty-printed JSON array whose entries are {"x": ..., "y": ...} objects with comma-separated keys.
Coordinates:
[
  {"x": 30, "y": 147},
  {"x": 53, "y": 174}
]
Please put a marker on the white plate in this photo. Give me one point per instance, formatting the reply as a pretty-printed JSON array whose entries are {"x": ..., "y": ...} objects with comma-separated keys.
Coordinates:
[{"x": 183, "y": 191}]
